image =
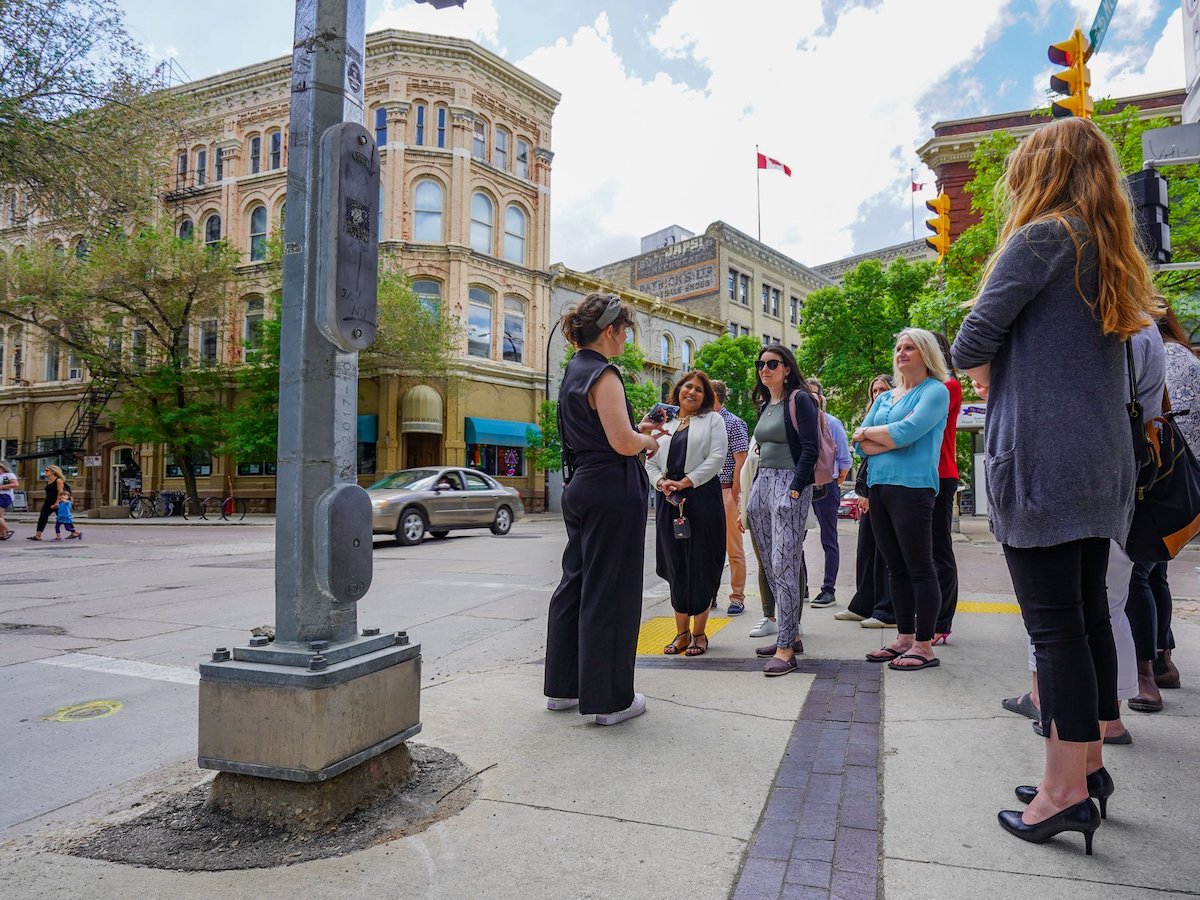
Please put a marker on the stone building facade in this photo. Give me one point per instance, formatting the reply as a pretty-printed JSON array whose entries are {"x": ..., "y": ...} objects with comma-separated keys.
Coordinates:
[
  {"x": 464, "y": 140},
  {"x": 727, "y": 275}
]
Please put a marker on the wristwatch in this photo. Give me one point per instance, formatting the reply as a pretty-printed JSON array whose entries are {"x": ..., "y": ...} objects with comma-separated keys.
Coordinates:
[{"x": 795, "y": 495}]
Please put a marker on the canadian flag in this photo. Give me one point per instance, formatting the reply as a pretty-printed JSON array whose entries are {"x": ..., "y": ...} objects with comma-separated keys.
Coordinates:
[
  {"x": 765, "y": 162},
  {"x": 918, "y": 186}
]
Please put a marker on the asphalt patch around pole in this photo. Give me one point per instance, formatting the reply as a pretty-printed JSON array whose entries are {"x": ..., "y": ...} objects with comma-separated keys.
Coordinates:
[{"x": 181, "y": 834}]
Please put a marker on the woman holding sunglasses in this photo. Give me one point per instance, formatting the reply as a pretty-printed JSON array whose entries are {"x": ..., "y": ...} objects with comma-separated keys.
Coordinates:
[{"x": 788, "y": 437}]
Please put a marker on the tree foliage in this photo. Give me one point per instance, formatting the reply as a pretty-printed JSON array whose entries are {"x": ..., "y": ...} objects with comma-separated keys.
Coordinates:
[
  {"x": 82, "y": 124},
  {"x": 129, "y": 308},
  {"x": 731, "y": 360}
]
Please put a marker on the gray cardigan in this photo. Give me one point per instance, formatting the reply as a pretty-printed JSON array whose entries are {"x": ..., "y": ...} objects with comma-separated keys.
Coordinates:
[{"x": 1059, "y": 455}]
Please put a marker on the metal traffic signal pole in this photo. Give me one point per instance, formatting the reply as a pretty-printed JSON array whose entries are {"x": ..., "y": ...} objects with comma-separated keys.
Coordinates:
[{"x": 333, "y": 697}]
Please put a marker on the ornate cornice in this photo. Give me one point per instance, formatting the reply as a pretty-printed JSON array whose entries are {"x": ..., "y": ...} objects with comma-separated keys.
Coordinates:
[
  {"x": 644, "y": 303},
  {"x": 730, "y": 238}
]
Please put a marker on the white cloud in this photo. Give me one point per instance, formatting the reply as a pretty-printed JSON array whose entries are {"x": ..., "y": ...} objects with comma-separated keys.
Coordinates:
[
  {"x": 837, "y": 105},
  {"x": 476, "y": 21}
]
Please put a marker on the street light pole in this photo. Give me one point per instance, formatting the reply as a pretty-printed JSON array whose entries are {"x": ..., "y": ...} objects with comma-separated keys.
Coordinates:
[{"x": 546, "y": 398}]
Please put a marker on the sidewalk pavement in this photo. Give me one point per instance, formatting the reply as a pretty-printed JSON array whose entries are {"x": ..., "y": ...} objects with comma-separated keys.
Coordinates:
[{"x": 846, "y": 780}]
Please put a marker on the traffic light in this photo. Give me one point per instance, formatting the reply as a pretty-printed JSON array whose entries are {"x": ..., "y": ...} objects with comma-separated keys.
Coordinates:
[
  {"x": 1149, "y": 191},
  {"x": 1073, "y": 53},
  {"x": 939, "y": 224}
]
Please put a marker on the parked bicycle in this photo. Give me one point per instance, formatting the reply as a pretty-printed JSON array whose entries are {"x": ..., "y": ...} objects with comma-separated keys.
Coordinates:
[{"x": 143, "y": 506}]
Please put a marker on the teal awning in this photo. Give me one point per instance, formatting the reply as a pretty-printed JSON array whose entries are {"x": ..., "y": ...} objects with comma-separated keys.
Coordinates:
[{"x": 498, "y": 432}]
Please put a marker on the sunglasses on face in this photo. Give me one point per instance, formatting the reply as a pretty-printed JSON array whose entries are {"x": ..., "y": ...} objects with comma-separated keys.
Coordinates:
[{"x": 771, "y": 364}]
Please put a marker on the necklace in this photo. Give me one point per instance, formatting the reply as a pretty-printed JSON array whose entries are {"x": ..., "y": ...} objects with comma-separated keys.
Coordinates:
[{"x": 683, "y": 421}]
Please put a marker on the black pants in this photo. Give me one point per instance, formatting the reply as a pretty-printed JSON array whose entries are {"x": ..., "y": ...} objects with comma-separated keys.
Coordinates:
[
  {"x": 48, "y": 506},
  {"x": 872, "y": 595},
  {"x": 1149, "y": 610},
  {"x": 943, "y": 553},
  {"x": 592, "y": 631},
  {"x": 901, "y": 518},
  {"x": 1063, "y": 599}
]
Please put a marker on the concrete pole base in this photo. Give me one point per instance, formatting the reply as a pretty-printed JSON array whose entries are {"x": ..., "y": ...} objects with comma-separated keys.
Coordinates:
[{"x": 311, "y": 807}]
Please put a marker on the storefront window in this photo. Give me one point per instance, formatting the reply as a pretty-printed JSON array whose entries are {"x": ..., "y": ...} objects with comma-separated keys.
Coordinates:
[
  {"x": 366, "y": 458},
  {"x": 201, "y": 465},
  {"x": 256, "y": 468},
  {"x": 500, "y": 462}
]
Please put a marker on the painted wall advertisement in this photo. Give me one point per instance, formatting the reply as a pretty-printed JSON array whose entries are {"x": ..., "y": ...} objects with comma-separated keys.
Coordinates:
[{"x": 682, "y": 270}]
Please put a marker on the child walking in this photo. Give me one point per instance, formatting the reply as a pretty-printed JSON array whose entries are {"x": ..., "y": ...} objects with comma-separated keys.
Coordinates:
[{"x": 63, "y": 519}]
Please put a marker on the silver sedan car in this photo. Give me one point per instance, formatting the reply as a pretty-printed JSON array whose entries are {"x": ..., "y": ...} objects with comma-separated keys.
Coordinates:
[{"x": 439, "y": 500}]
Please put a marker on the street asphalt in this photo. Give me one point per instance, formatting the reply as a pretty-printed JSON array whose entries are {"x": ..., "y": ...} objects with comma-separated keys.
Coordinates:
[{"x": 842, "y": 780}]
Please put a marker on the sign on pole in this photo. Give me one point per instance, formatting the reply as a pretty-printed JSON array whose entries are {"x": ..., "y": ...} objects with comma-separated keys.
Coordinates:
[
  {"x": 91, "y": 462},
  {"x": 1100, "y": 24}
]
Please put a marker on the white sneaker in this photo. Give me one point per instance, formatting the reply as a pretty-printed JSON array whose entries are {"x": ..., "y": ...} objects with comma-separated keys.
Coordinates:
[
  {"x": 873, "y": 622},
  {"x": 846, "y": 616},
  {"x": 764, "y": 627},
  {"x": 557, "y": 703},
  {"x": 636, "y": 708}
]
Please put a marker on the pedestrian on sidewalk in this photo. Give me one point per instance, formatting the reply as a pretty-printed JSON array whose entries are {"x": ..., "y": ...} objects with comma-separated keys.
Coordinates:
[
  {"x": 871, "y": 605},
  {"x": 788, "y": 435},
  {"x": 8, "y": 483},
  {"x": 826, "y": 507},
  {"x": 63, "y": 517},
  {"x": 943, "y": 507},
  {"x": 1065, "y": 287},
  {"x": 595, "y": 612},
  {"x": 685, "y": 473},
  {"x": 55, "y": 483},
  {"x": 902, "y": 437},
  {"x": 737, "y": 438}
]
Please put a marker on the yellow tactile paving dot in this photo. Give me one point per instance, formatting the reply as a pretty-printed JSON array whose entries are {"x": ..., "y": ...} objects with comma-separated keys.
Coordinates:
[
  {"x": 656, "y": 633},
  {"x": 975, "y": 606}
]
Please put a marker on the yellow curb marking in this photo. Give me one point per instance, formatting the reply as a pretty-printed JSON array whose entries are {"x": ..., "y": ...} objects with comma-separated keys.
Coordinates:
[
  {"x": 86, "y": 712},
  {"x": 656, "y": 633},
  {"x": 976, "y": 606}
]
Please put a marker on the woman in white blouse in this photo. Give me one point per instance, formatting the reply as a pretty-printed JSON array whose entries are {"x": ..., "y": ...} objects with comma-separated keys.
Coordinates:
[{"x": 684, "y": 472}]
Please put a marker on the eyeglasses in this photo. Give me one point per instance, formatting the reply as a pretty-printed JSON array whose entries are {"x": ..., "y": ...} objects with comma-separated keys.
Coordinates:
[{"x": 771, "y": 364}]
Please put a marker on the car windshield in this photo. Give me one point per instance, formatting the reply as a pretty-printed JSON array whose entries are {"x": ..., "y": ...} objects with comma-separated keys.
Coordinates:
[{"x": 410, "y": 479}]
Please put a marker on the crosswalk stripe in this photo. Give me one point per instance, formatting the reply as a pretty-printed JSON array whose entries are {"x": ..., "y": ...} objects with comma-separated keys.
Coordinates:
[{"x": 129, "y": 667}]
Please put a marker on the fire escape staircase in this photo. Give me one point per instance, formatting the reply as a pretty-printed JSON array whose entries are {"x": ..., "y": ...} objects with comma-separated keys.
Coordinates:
[{"x": 71, "y": 440}]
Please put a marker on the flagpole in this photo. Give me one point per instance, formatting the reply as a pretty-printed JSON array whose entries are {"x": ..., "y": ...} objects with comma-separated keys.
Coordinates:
[
  {"x": 912, "y": 200},
  {"x": 758, "y": 190}
]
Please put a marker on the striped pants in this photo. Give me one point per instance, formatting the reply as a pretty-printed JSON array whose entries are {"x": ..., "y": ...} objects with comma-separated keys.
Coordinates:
[{"x": 777, "y": 523}]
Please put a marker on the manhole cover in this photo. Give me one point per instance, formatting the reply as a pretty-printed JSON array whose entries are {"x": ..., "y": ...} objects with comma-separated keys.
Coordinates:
[
  {"x": 83, "y": 712},
  {"x": 17, "y": 628}
]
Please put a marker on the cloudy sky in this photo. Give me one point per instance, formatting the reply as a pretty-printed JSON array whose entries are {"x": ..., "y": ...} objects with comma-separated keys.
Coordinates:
[{"x": 664, "y": 101}]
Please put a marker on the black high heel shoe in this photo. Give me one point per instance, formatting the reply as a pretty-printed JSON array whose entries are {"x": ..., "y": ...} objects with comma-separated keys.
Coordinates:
[
  {"x": 1099, "y": 784},
  {"x": 1083, "y": 817}
]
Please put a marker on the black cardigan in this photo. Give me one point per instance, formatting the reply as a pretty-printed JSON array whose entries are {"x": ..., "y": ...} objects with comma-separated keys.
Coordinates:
[{"x": 804, "y": 441}]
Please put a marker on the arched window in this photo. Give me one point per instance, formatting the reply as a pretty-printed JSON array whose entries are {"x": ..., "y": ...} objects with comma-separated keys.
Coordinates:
[
  {"x": 666, "y": 391},
  {"x": 500, "y": 156},
  {"x": 427, "y": 211},
  {"x": 479, "y": 322},
  {"x": 419, "y": 124},
  {"x": 258, "y": 234},
  {"x": 664, "y": 349},
  {"x": 185, "y": 229},
  {"x": 479, "y": 141},
  {"x": 212, "y": 229},
  {"x": 181, "y": 164},
  {"x": 381, "y": 126},
  {"x": 442, "y": 112},
  {"x": 688, "y": 352},
  {"x": 201, "y": 167},
  {"x": 81, "y": 249},
  {"x": 275, "y": 142},
  {"x": 252, "y": 329},
  {"x": 522, "y": 169},
  {"x": 255, "y": 155},
  {"x": 514, "y": 234},
  {"x": 514, "y": 329},
  {"x": 429, "y": 294},
  {"x": 481, "y": 222}
]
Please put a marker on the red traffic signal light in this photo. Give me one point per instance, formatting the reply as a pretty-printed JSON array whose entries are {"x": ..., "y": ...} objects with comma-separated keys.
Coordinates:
[{"x": 1075, "y": 80}]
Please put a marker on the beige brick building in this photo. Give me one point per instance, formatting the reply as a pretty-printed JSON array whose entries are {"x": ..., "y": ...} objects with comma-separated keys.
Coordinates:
[{"x": 464, "y": 142}]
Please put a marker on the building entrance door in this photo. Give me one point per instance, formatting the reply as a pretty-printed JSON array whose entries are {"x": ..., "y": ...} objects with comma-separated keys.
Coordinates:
[
  {"x": 422, "y": 450},
  {"x": 124, "y": 475}
]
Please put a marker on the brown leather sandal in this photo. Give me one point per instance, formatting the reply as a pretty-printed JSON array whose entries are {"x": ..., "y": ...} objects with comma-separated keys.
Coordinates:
[
  {"x": 673, "y": 648},
  {"x": 695, "y": 649}
]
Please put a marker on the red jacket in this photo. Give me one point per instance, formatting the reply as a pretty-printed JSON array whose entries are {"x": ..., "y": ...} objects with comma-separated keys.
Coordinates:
[{"x": 947, "y": 464}]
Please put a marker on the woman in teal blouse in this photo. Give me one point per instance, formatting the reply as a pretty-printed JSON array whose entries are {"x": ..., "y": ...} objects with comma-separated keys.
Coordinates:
[{"x": 902, "y": 434}]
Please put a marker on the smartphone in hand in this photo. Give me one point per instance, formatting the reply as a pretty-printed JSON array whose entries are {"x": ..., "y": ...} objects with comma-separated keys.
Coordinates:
[{"x": 662, "y": 413}]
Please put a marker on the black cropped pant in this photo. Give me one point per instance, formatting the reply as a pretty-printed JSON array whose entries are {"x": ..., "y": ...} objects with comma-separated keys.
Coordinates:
[
  {"x": 902, "y": 521},
  {"x": 1063, "y": 599}
]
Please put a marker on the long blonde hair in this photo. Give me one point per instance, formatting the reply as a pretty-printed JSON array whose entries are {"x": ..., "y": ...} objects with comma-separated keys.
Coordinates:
[
  {"x": 1068, "y": 169},
  {"x": 56, "y": 471},
  {"x": 931, "y": 354}
]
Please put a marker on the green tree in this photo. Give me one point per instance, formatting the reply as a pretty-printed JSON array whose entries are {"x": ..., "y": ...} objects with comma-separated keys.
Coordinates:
[
  {"x": 848, "y": 332},
  {"x": 129, "y": 308},
  {"x": 631, "y": 362},
  {"x": 82, "y": 121},
  {"x": 731, "y": 360},
  {"x": 544, "y": 449}
]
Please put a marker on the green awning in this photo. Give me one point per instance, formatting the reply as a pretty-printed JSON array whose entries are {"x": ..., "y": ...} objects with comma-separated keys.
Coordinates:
[{"x": 498, "y": 432}]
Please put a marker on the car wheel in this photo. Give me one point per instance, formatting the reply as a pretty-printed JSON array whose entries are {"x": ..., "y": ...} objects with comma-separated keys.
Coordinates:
[
  {"x": 410, "y": 529},
  {"x": 503, "y": 522},
  {"x": 439, "y": 534}
]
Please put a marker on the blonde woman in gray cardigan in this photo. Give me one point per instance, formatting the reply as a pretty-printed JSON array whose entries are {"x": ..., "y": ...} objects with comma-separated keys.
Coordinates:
[{"x": 685, "y": 473}]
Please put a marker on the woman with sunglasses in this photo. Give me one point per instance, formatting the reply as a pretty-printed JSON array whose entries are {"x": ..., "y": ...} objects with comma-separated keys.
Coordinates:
[
  {"x": 902, "y": 436},
  {"x": 788, "y": 437},
  {"x": 592, "y": 629}
]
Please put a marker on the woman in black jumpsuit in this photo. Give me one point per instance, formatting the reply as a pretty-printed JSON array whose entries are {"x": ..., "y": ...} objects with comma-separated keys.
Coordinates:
[
  {"x": 54, "y": 484},
  {"x": 591, "y": 639}
]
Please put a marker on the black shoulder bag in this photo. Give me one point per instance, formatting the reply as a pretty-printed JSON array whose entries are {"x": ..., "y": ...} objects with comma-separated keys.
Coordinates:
[{"x": 1166, "y": 512}]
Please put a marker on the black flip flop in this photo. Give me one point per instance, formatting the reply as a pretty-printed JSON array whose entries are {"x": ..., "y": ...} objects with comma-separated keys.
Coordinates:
[
  {"x": 892, "y": 654},
  {"x": 1022, "y": 706},
  {"x": 925, "y": 663}
]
